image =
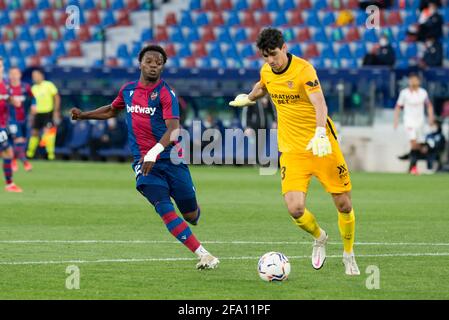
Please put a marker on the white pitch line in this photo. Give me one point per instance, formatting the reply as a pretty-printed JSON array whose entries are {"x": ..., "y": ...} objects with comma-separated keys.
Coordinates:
[
  {"x": 425, "y": 254},
  {"x": 216, "y": 242}
]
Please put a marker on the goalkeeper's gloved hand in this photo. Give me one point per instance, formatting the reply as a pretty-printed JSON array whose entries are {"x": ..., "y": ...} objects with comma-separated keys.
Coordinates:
[
  {"x": 241, "y": 100},
  {"x": 320, "y": 144}
]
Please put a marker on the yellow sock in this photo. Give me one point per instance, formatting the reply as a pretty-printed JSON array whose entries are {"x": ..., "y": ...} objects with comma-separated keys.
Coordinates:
[
  {"x": 346, "y": 224},
  {"x": 308, "y": 223},
  {"x": 50, "y": 142},
  {"x": 32, "y": 146}
]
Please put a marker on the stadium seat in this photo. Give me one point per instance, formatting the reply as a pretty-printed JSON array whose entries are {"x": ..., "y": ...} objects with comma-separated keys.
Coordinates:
[
  {"x": 74, "y": 49},
  {"x": 186, "y": 20},
  {"x": 296, "y": 50},
  {"x": 328, "y": 19},
  {"x": 33, "y": 18},
  {"x": 232, "y": 19},
  {"x": 410, "y": 17},
  {"x": 352, "y": 4},
  {"x": 295, "y": 18},
  {"x": 48, "y": 18},
  {"x": 184, "y": 51},
  {"x": 280, "y": 19},
  {"x": 170, "y": 49},
  {"x": 370, "y": 36},
  {"x": 40, "y": 34},
  {"x": 217, "y": 19},
  {"x": 394, "y": 18},
  {"x": 13, "y": 4},
  {"x": 344, "y": 52},
  {"x": 207, "y": 34},
  {"x": 241, "y": 5},
  {"x": 24, "y": 35},
  {"x": 360, "y": 50},
  {"x": 132, "y": 5},
  {"x": 30, "y": 50},
  {"x": 44, "y": 49},
  {"x": 80, "y": 135},
  {"x": 215, "y": 51},
  {"x": 122, "y": 51},
  {"x": 319, "y": 4},
  {"x": 2, "y": 5},
  {"x": 320, "y": 35},
  {"x": 311, "y": 51},
  {"x": 209, "y": 5},
  {"x": 303, "y": 35},
  {"x": 264, "y": 19},
  {"x": 327, "y": 52},
  {"x": 256, "y": 5},
  {"x": 118, "y": 4},
  {"x": 273, "y": 6},
  {"x": 289, "y": 34},
  {"x": 231, "y": 52},
  {"x": 304, "y": 4},
  {"x": 288, "y": 5},
  {"x": 352, "y": 35},
  {"x": 170, "y": 19},
  {"x": 108, "y": 19},
  {"x": 240, "y": 35},
  {"x": 4, "y": 18},
  {"x": 84, "y": 33},
  {"x": 161, "y": 34},
  {"x": 337, "y": 35},
  {"x": 199, "y": 50},
  {"x": 43, "y": 4},
  {"x": 89, "y": 4},
  {"x": 8, "y": 33},
  {"x": 411, "y": 51},
  {"x": 312, "y": 19},
  {"x": 195, "y": 5},
  {"x": 193, "y": 35},
  {"x": 177, "y": 35},
  {"x": 59, "y": 50},
  {"x": 248, "y": 19},
  {"x": 254, "y": 33},
  {"x": 348, "y": 63},
  {"x": 224, "y": 35},
  {"x": 146, "y": 35},
  {"x": 202, "y": 19},
  {"x": 69, "y": 35},
  {"x": 93, "y": 18},
  {"x": 19, "y": 18},
  {"x": 15, "y": 50},
  {"x": 247, "y": 51},
  {"x": 225, "y": 5},
  {"x": 123, "y": 18},
  {"x": 360, "y": 18}
]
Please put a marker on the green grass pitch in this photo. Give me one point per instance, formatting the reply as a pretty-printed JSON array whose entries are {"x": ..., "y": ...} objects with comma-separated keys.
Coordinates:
[{"x": 402, "y": 224}]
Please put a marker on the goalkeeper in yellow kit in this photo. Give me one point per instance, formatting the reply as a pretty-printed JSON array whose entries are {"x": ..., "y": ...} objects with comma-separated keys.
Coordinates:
[{"x": 307, "y": 140}]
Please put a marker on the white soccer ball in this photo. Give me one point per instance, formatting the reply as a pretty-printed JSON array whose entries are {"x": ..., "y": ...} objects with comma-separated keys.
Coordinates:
[{"x": 273, "y": 266}]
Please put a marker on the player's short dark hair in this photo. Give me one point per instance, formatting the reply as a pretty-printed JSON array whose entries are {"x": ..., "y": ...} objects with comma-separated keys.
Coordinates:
[
  {"x": 270, "y": 39},
  {"x": 414, "y": 75},
  {"x": 153, "y": 47}
]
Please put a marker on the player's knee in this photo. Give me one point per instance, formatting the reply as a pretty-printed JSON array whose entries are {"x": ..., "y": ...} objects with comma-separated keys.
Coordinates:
[
  {"x": 296, "y": 209},
  {"x": 344, "y": 206},
  {"x": 191, "y": 216}
]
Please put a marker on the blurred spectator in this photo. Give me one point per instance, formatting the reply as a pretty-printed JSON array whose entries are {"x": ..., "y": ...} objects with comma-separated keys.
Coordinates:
[
  {"x": 425, "y": 3},
  {"x": 382, "y": 54},
  {"x": 433, "y": 56},
  {"x": 345, "y": 17},
  {"x": 434, "y": 146},
  {"x": 113, "y": 137},
  {"x": 380, "y": 3},
  {"x": 430, "y": 23}
]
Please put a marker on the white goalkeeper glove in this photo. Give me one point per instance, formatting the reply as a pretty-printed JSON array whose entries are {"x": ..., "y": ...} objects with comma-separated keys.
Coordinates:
[
  {"x": 241, "y": 100},
  {"x": 151, "y": 155},
  {"x": 320, "y": 144}
]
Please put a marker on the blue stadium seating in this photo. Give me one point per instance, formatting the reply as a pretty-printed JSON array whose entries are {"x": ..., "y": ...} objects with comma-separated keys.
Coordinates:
[
  {"x": 241, "y": 5},
  {"x": 360, "y": 50},
  {"x": 202, "y": 19},
  {"x": 89, "y": 4},
  {"x": 184, "y": 51},
  {"x": 224, "y": 35},
  {"x": 296, "y": 50},
  {"x": 186, "y": 20},
  {"x": 280, "y": 19},
  {"x": 327, "y": 52},
  {"x": 25, "y": 35},
  {"x": 240, "y": 35},
  {"x": 411, "y": 51},
  {"x": 233, "y": 19},
  {"x": 247, "y": 51},
  {"x": 273, "y": 5},
  {"x": 122, "y": 51},
  {"x": 30, "y": 50},
  {"x": 118, "y": 4},
  {"x": 288, "y": 5},
  {"x": 193, "y": 35},
  {"x": 176, "y": 35},
  {"x": 146, "y": 35},
  {"x": 59, "y": 50},
  {"x": 195, "y": 5}
]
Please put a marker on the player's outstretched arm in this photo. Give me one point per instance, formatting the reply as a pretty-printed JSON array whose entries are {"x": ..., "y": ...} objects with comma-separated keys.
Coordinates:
[
  {"x": 320, "y": 144},
  {"x": 102, "y": 113},
  {"x": 150, "y": 158},
  {"x": 243, "y": 99}
]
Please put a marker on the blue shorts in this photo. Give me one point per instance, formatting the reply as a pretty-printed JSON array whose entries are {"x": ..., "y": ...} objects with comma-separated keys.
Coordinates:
[
  {"x": 164, "y": 174},
  {"x": 4, "y": 139},
  {"x": 18, "y": 129}
]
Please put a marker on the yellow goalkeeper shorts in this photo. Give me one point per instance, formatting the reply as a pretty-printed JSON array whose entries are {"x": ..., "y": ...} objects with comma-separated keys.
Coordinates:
[{"x": 298, "y": 168}]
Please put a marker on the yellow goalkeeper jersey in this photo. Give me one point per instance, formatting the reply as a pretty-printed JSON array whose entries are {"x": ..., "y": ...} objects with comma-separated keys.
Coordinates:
[{"x": 289, "y": 90}]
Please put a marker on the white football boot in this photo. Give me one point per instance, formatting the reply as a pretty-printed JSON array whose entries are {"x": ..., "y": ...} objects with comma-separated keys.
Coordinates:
[
  {"x": 207, "y": 261},
  {"x": 351, "y": 268},
  {"x": 319, "y": 251}
]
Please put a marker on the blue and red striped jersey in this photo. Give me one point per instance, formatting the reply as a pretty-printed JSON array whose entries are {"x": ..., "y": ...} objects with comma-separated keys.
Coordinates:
[
  {"x": 147, "y": 108},
  {"x": 20, "y": 93},
  {"x": 4, "y": 111}
]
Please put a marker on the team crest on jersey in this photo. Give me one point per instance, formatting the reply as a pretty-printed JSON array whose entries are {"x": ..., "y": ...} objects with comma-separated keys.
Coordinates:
[
  {"x": 290, "y": 84},
  {"x": 313, "y": 84},
  {"x": 153, "y": 95}
]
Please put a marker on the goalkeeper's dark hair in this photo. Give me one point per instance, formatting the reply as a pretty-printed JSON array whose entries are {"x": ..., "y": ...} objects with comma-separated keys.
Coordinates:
[
  {"x": 153, "y": 47},
  {"x": 270, "y": 39}
]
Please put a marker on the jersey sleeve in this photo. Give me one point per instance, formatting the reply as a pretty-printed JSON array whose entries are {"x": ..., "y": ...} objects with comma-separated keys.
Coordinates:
[
  {"x": 310, "y": 80},
  {"x": 52, "y": 88},
  {"x": 119, "y": 102},
  {"x": 426, "y": 97},
  {"x": 170, "y": 105},
  {"x": 262, "y": 79},
  {"x": 401, "y": 99}
]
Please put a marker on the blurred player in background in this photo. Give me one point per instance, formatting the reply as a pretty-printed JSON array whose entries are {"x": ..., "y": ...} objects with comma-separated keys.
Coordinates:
[
  {"x": 19, "y": 94},
  {"x": 308, "y": 142},
  {"x": 413, "y": 101},
  {"x": 6, "y": 151},
  {"x": 152, "y": 116},
  {"x": 46, "y": 114}
]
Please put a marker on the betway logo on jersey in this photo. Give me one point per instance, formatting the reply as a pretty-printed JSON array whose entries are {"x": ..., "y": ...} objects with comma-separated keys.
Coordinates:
[{"x": 140, "y": 109}]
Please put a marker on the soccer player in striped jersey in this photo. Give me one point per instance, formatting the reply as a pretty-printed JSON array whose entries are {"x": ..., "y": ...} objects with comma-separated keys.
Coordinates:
[
  {"x": 152, "y": 116},
  {"x": 308, "y": 142},
  {"x": 6, "y": 151},
  {"x": 19, "y": 93}
]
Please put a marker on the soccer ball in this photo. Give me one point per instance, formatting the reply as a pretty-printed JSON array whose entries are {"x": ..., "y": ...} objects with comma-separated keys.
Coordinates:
[{"x": 273, "y": 266}]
